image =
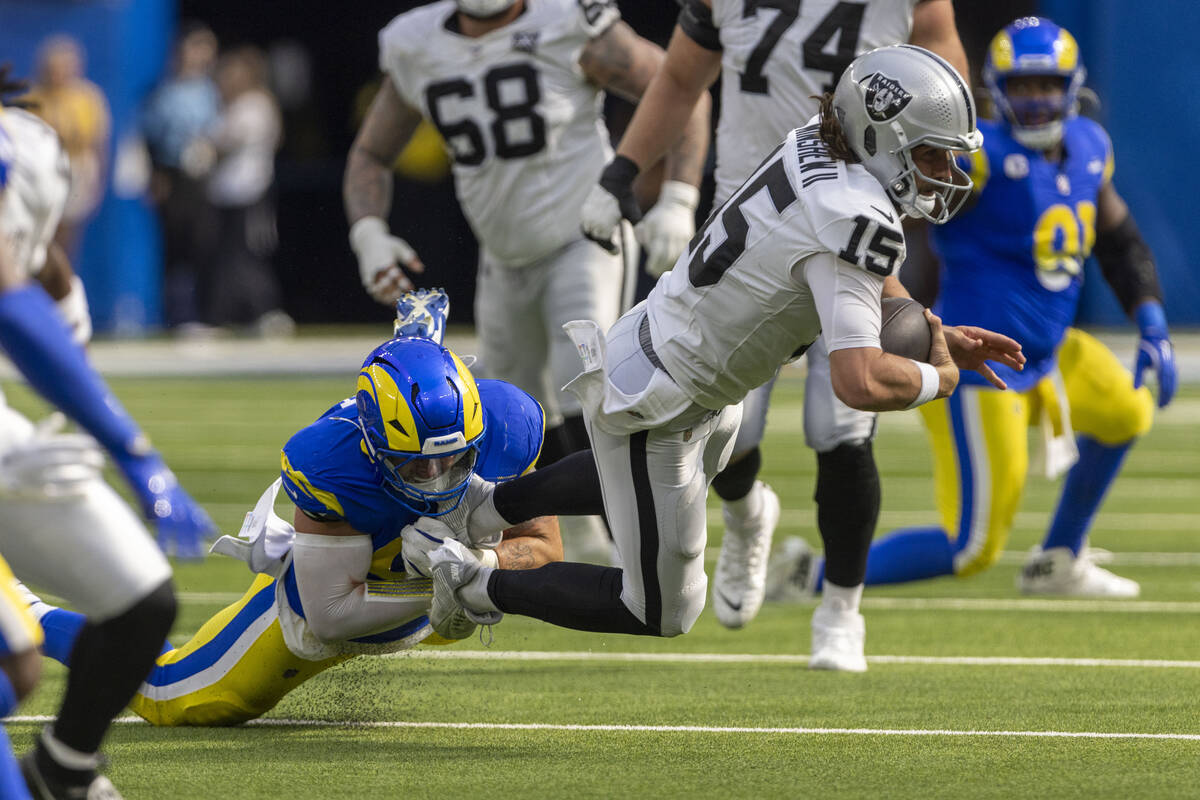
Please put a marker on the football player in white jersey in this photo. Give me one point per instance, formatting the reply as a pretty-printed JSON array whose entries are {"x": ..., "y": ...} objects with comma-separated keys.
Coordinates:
[
  {"x": 802, "y": 247},
  {"x": 62, "y": 526},
  {"x": 514, "y": 87},
  {"x": 775, "y": 59}
]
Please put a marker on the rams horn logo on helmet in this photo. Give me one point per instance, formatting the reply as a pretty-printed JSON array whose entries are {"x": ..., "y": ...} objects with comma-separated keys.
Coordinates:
[{"x": 885, "y": 97}]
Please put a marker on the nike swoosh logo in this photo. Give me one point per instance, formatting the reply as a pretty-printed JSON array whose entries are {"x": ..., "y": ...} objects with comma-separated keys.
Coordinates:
[
  {"x": 890, "y": 218},
  {"x": 728, "y": 602}
]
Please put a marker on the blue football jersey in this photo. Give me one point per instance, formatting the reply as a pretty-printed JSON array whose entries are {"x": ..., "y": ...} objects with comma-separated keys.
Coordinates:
[
  {"x": 1014, "y": 261},
  {"x": 327, "y": 474}
]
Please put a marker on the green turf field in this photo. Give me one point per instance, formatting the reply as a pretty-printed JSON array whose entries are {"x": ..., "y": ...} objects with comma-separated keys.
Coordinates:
[{"x": 960, "y": 700}]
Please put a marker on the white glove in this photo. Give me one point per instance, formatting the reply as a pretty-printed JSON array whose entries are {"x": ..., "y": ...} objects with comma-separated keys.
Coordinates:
[
  {"x": 599, "y": 217},
  {"x": 380, "y": 256},
  {"x": 668, "y": 227},
  {"x": 74, "y": 310},
  {"x": 426, "y": 535}
]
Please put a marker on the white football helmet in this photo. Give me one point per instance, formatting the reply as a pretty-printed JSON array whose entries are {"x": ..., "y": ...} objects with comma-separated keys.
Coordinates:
[
  {"x": 484, "y": 8},
  {"x": 894, "y": 99}
]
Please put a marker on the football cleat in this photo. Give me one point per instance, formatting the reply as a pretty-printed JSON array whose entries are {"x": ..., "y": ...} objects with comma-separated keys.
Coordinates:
[
  {"x": 42, "y": 784},
  {"x": 739, "y": 583},
  {"x": 792, "y": 572},
  {"x": 838, "y": 638},
  {"x": 1058, "y": 571},
  {"x": 453, "y": 567},
  {"x": 422, "y": 314}
]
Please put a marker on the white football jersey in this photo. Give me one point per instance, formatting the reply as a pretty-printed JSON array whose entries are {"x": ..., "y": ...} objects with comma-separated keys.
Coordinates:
[
  {"x": 776, "y": 56},
  {"x": 33, "y": 200},
  {"x": 741, "y": 301},
  {"x": 522, "y": 123}
]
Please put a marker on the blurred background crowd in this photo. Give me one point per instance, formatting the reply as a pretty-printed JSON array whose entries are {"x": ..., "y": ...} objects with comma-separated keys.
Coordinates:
[{"x": 208, "y": 138}]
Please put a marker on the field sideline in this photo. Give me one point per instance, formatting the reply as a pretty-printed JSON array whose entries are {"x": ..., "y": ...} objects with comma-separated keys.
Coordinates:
[{"x": 973, "y": 691}]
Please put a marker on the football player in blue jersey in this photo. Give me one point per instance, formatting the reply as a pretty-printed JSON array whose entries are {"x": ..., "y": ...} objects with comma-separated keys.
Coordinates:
[
  {"x": 369, "y": 477},
  {"x": 1014, "y": 263}
]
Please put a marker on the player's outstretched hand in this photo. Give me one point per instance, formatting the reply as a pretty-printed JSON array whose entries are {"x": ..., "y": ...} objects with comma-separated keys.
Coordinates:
[
  {"x": 383, "y": 260},
  {"x": 668, "y": 227},
  {"x": 972, "y": 347},
  {"x": 182, "y": 524},
  {"x": 608, "y": 201},
  {"x": 939, "y": 356}
]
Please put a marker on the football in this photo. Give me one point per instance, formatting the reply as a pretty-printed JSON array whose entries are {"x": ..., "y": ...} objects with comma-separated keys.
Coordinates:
[{"x": 905, "y": 331}]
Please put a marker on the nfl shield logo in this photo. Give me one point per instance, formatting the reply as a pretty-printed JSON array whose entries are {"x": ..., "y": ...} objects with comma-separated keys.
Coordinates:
[{"x": 885, "y": 97}]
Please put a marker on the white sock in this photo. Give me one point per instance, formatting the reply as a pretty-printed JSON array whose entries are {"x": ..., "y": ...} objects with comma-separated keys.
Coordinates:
[
  {"x": 474, "y": 594},
  {"x": 841, "y": 598},
  {"x": 749, "y": 507},
  {"x": 67, "y": 756}
]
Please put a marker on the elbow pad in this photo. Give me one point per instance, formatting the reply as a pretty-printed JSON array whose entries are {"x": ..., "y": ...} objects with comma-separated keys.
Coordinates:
[{"x": 1127, "y": 264}]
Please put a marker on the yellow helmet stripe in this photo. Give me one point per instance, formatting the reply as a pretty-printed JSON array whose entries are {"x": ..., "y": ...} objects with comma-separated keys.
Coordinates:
[
  {"x": 472, "y": 407},
  {"x": 1067, "y": 49},
  {"x": 398, "y": 422},
  {"x": 1001, "y": 51}
]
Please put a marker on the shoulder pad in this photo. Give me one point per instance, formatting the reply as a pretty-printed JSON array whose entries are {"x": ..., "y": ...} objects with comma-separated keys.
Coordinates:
[{"x": 516, "y": 424}]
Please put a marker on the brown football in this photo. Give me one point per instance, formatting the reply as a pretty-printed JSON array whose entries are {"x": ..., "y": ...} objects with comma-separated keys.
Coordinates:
[{"x": 905, "y": 331}]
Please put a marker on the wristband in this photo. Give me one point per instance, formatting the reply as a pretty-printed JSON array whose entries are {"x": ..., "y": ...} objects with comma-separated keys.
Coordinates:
[
  {"x": 366, "y": 229},
  {"x": 930, "y": 383},
  {"x": 489, "y": 558}
]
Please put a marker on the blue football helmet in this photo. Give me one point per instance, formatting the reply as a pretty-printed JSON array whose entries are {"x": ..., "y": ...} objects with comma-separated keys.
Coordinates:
[
  {"x": 422, "y": 422},
  {"x": 1034, "y": 46}
]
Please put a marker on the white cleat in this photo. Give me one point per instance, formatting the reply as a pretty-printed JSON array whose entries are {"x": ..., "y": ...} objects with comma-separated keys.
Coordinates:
[
  {"x": 1058, "y": 571},
  {"x": 453, "y": 567},
  {"x": 740, "y": 581},
  {"x": 422, "y": 313},
  {"x": 792, "y": 572},
  {"x": 838, "y": 638}
]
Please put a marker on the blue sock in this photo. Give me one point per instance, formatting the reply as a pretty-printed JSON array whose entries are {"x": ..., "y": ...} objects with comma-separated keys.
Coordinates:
[
  {"x": 910, "y": 554},
  {"x": 12, "y": 784},
  {"x": 1084, "y": 490},
  {"x": 62, "y": 629},
  {"x": 8, "y": 695},
  {"x": 39, "y": 344}
]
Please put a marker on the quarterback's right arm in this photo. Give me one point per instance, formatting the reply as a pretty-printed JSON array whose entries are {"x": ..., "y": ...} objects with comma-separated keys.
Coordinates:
[
  {"x": 863, "y": 376},
  {"x": 367, "y": 195}
]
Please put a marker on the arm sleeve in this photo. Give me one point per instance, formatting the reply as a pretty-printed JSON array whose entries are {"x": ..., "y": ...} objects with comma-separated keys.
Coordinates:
[
  {"x": 339, "y": 602},
  {"x": 847, "y": 300}
]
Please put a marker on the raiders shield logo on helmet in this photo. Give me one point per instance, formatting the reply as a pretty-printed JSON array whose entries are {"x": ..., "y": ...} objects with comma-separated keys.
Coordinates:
[{"x": 885, "y": 97}]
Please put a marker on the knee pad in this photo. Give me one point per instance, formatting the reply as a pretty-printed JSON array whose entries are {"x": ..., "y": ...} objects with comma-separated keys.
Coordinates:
[
  {"x": 846, "y": 476},
  {"x": 737, "y": 479}
]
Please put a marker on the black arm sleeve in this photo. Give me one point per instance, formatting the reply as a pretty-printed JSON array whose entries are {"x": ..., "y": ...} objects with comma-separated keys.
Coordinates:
[
  {"x": 696, "y": 21},
  {"x": 1127, "y": 264}
]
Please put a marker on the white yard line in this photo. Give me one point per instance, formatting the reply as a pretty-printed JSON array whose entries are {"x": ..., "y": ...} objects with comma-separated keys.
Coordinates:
[
  {"x": 908, "y": 603},
  {"x": 781, "y": 658},
  {"x": 548, "y": 726}
]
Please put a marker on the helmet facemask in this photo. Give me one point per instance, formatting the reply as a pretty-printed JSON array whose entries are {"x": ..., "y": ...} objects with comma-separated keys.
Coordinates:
[{"x": 941, "y": 199}]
